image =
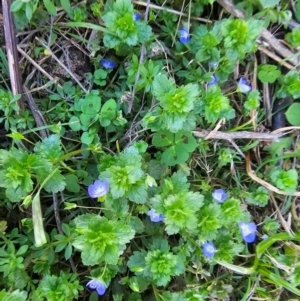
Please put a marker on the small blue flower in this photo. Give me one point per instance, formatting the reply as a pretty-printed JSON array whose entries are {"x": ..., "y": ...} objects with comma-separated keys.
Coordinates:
[
  {"x": 184, "y": 36},
  {"x": 98, "y": 189},
  {"x": 213, "y": 81},
  {"x": 107, "y": 64},
  {"x": 213, "y": 64},
  {"x": 136, "y": 17},
  {"x": 155, "y": 217},
  {"x": 219, "y": 195},
  {"x": 248, "y": 231},
  {"x": 98, "y": 285},
  {"x": 244, "y": 86},
  {"x": 265, "y": 236},
  {"x": 209, "y": 249}
]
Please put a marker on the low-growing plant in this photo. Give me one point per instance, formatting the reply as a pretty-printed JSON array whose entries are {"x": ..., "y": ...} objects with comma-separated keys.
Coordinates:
[{"x": 131, "y": 196}]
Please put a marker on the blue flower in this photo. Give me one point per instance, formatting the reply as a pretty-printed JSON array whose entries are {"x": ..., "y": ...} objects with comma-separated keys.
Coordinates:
[
  {"x": 248, "y": 231},
  {"x": 213, "y": 81},
  {"x": 219, "y": 195},
  {"x": 107, "y": 64},
  {"x": 155, "y": 217},
  {"x": 184, "y": 36},
  {"x": 98, "y": 285},
  {"x": 244, "y": 86},
  {"x": 213, "y": 64},
  {"x": 136, "y": 16},
  {"x": 209, "y": 249},
  {"x": 98, "y": 189}
]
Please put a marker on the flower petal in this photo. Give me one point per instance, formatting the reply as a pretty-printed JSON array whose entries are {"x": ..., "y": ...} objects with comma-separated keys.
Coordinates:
[
  {"x": 244, "y": 86},
  {"x": 154, "y": 216},
  {"x": 213, "y": 81},
  {"x": 108, "y": 64},
  {"x": 209, "y": 249},
  {"x": 98, "y": 189},
  {"x": 219, "y": 195},
  {"x": 184, "y": 36}
]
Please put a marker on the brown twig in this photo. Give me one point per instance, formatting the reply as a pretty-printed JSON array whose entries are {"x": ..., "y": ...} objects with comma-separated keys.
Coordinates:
[
  {"x": 37, "y": 115},
  {"x": 36, "y": 65},
  {"x": 11, "y": 50}
]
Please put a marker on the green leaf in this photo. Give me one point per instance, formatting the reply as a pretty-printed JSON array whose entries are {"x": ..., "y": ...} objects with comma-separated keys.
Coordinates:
[
  {"x": 162, "y": 138},
  {"x": 210, "y": 221},
  {"x": 268, "y": 73},
  {"x": 276, "y": 148},
  {"x": 136, "y": 262},
  {"x": 290, "y": 85},
  {"x": 215, "y": 105},
  {"x": 23, "y": 249},
  {"x": 16, "y": 295},
  {"x": 180, "y": 210},
  {"x": 56, "y": 183},
  {"x": 74, "y": 124},
  {"x": 16, "y": 136},
  {"x": 72, "y": 183},
  {"x": 88, "y": 120},
  {"x": 297, "y": 12},
  {"x": 156, "y": 169},
  {"x": 29, "y": 10},
  {"x": 50, "y": 7},
  {"x": 87, "y": 138},
  {"x": 186, "y": 141},
  {"x": 108, "y": 110},
  {"x": 268, "y": 3},
  {"x": 173, "y": 155},
  {"x": 252, "y": 101},
  {"x": 68, "y": 251},
  {"x": 16, "y": 6},
  {"x": 162, "y": 85},
  {"x": 293, "y": 113},
  {"x": 91, "y": 104},
  {"x": 37, "y": 218},
  {"x": 285, "y": 180},
  {"x": 144, "y": 32},
  {"x": 66, "y": 5},
  {"x": 49, "y": 148},
  {"x": 101, "y": 239},
  {"x": 279, "y": 281}
]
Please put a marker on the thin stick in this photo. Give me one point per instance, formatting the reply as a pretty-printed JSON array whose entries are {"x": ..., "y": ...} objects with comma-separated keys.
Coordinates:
[
  {"x": 215, "y": 130},
  {"x": 238, "y": 135},
  {"x": 175, "y": 12},
  {"x": 37, "y": 115},
  {"x": 276, "y": 58},
  {"x": 36, "y": 65},
  {"x": 62, "y": 65},
  {"x": 11, "y": 50}
]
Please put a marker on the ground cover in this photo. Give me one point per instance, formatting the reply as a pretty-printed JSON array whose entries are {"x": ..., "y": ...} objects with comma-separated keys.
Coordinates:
[{"x": 149, "y": 150}]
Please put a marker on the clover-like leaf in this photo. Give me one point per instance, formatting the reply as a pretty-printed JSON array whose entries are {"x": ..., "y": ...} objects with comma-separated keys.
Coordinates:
[
  {"x": 268, "y": 73},
  {"x": 175, "y": 154},
  {"x": 91, "y": 104},
  {"x": 162, "y": 138}
]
